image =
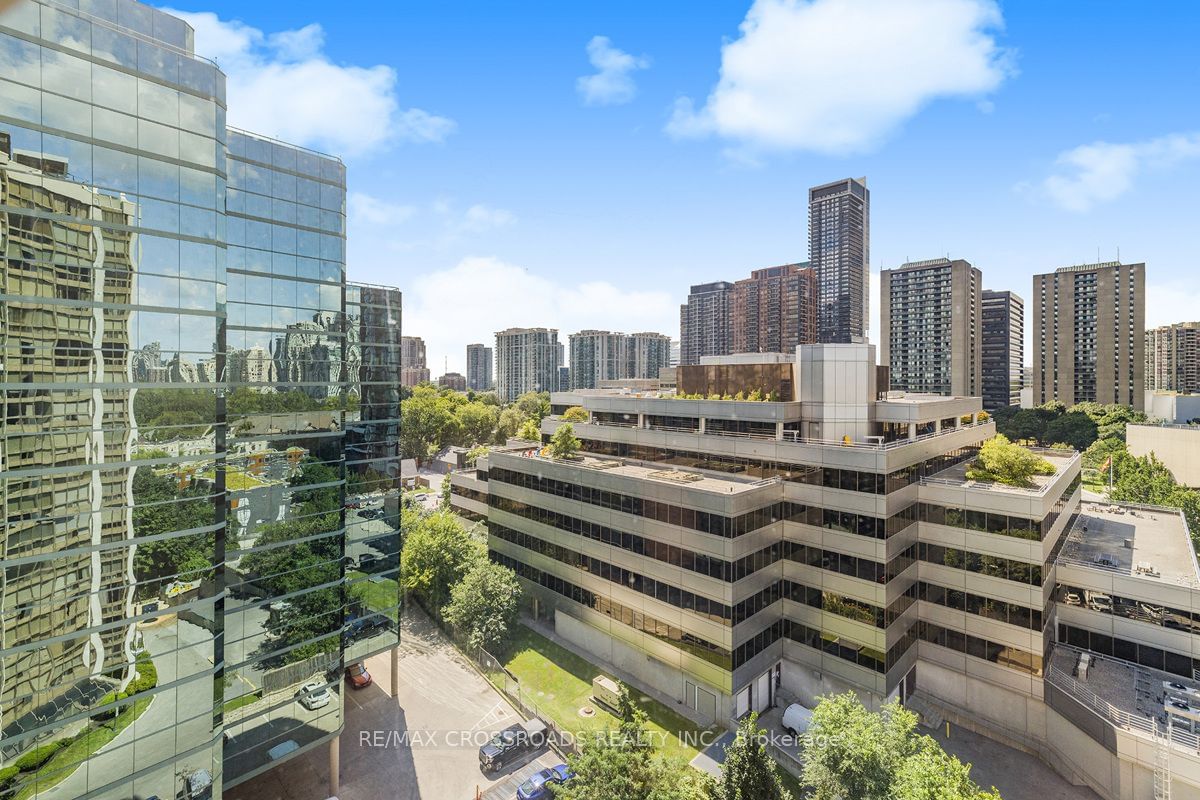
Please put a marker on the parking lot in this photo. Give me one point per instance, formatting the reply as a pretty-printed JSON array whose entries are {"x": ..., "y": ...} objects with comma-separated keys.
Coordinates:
[{"x": 421, "y": 745}]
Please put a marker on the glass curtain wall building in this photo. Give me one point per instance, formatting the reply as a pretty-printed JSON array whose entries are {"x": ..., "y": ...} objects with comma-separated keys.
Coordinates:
[{"x": 183, "y": 398}]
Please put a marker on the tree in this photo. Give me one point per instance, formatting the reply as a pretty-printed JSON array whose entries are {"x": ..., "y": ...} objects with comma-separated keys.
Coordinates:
[
  {"x": 853, "y": 754},
  {"x": 446, "y": 488},
  {"x": 534, "y": 405},
  {"x": 511, "y": 420},
  {"x": 479, "y": 422},
  {"x": 437, "y": 553},
  {"x": 1002, "y": 461},
  {"x": 933, "y": 774},
  {"x": 425, "y": 416},
  {"x": 1025, "y": 425},
  {"x": 484, "y": 604},
  {"x": 749, "y": 772},
  {"x": 529, "y": 431},
  {"x": 564, "y": 443},
  {"x": 1074, "y": 428},
  {"x": 575, "y": 414},
  {"x": 1147, "y": 480}
]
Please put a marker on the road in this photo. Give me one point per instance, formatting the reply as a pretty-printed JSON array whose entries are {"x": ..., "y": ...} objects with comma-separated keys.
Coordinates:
[
  {"x": 419, "y": 745},
  {"x": 180, "y": 716}
]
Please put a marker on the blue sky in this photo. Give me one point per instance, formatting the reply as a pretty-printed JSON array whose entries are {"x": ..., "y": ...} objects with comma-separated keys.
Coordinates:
[{"x": 496, "y": 188}]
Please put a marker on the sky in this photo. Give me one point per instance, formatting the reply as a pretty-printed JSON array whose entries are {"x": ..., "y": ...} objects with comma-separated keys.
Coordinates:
[{"x": 580, "y": 165}]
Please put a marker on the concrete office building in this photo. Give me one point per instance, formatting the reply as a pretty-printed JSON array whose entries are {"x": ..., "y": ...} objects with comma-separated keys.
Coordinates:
[
  {"x": 414, "y": 369},
  {"x": 453, "y": 380},
  {"x": 1089, "y": 342},
  {"x": 164, "y": 278},
  {"x": 527, "y": 360},
  {"x": 704, "y": 322},
  {"x": 1176, "y": 446},
  {"x": 479, "y": 367},
  {"x": 1173, "y": 358},
  {"x": 1003, "y": 349},
  {"x": 774, "y": 310},
  {"x": 839, "y": 250},
  {"x": 740, "y": 555},
  {"x": 931, "y": 326}
]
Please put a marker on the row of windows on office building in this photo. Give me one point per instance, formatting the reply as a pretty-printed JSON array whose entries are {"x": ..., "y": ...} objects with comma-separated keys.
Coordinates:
[
  {"x": 809, "y": 474},
  {"x": 1140, "y": 610},
  {"x": 716, "y": 524},
  {"x": 1135, "y": 652},
  {"x": 721, "y": 569},
  {"x": 1002, "y": 524},
  {"x": 988, "y": 607}
]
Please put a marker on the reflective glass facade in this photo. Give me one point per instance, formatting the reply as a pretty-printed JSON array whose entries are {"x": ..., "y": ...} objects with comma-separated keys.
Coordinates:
[{"x": 181, "y": 374}]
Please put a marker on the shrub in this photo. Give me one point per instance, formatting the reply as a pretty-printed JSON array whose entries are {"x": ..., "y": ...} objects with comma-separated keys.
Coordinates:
[
  {"x": 8, "y": 775},
  {"x": 564, "y": 444},
  {"x": 1001, "y": 461},
  {"x": 38, "y": 756},
  {"x": 575, "y": 414},
  {"x": 147, "y": 677}
]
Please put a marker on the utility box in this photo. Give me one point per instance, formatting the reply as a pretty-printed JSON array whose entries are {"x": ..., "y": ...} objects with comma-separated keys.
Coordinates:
[{"x": 605, "y": 692}]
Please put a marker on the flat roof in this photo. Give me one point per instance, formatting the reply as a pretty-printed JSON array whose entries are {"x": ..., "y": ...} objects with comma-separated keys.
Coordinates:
[
  {"x": 957, "y": 475},
  {"x": 689, "y": 478},
  {"x": 1157, "y": 538}
]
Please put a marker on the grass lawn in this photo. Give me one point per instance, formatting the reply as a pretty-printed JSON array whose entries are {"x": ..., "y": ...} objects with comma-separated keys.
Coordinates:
[
  {"x": 242, "y": 700},
  {"x": 560, "y": 683},
  {"x": 68, "y": 758},
  {"x": 380, "y": 595}
]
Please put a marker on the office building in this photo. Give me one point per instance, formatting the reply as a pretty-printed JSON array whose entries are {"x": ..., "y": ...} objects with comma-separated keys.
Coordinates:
[
  {"x": 527, "y": 360},
  {"x": 479, "y": 367},
  {"x": 1089, "y": 335},
  {"x": 597, "y": 356},
  {"x": 839, "y": 237},
  {"x": 164, "y": 280},
  {"x": 1003, "y": 349},
  {"x": 414, "y": 368},
  {"x": 735, "y": 579},
  {"x": 774, "y": 310},
  {"x": 564, "y": 379},
  {"x": 704, "y": 324},
  {"x": 453, "y": 380},
  {"x": 675, "y": 352},
  {"x": 1173, "y": 358},
  {"x": 1177, "y": 446},
  {"x": 931, "y": 324}
]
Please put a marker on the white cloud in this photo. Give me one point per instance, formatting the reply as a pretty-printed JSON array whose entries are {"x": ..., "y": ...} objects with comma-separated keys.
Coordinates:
[
  {"x": 1171, "y": 301},
  {"x": 373, "y": 211},
  {"x": 283, "y": 84},
  {"x": 1097, "y": 173},
  {"x": 481, "y": 218},
  {"x": 613, "y": 82},
  {"x": 838, "y": 76},
  {"x": 471, "y": 301}
]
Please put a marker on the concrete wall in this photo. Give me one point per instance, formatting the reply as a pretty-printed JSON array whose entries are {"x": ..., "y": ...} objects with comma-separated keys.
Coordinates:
[{"x": 1177, "y": 448}]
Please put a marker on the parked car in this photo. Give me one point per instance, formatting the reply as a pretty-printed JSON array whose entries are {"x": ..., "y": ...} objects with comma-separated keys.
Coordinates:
[
  {"x": 540, "y": 785},
  {"x": 358, "y": 676},
  {"x": 197, "y": 785},
  {"x": 511, "y": 744},
  {"x": 796, "y": 719},
  {"x": 313, "y": 695},
  {"x": 282, "y": 749}
]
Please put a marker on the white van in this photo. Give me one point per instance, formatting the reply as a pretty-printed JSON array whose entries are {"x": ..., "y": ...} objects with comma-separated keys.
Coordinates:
[{"x": 796, "y": 719}]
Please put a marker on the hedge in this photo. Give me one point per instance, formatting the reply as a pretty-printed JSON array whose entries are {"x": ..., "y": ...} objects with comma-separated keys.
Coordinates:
[{"x": 38, "y": 756}]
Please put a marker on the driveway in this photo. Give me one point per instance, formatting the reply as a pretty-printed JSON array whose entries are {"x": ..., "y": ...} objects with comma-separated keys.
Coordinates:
[{"x": 421, "y": 745}]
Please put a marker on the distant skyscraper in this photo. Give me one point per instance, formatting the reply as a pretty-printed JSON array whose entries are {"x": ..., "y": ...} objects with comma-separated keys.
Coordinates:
[
  {"x": 527, "y": 360},
  {"x": 648, "y": 353},
  {"x": 453, "y": 380},
  {"x": 1089, "y": 334},
  {"x": 930, "y": 323},
  {"x": 839, "y": 235},
  {"x": 1003, "y": 347},
  {"x": 676, "y": 347},
  {"x": 479, "y": 367},
  {"x": 414, "y": 369},
  {"x": 1173, "y": 358},
  {"x": 774, "y": 310},
  {"x": 704, "y": 322},
  {"x": 597, "y": 356}
]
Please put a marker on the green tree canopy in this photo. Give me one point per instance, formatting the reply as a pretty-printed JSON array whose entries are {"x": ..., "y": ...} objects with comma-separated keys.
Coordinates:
[
  {"x": 853, "y": 754},
  {"x": 575, "y": 414},
  {"x": 564, "y": 443},
  {"x": 529, "y": 431},
  {"x": 510, "y": 422},
  {"x": 437, "y": 553},
  {"x": 1002, "y": 461},
  {"x": 749, "y": 771},
  {"x": 1074, "y": 428},
  {"x": 933, "y": 774},
  {"x": 484, "y": 604},
  {"x": 479, "y": 422},
  {"x": 534, "y": 405}
]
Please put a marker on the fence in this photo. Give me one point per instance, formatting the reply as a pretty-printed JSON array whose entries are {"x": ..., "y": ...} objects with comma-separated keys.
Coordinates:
[
  {"x": 291, "y": 674},
  {"x": 492, "y": 669}
]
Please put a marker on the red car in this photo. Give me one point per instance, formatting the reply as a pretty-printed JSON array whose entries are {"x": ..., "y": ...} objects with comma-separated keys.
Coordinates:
[{"x": 358, "y": 676}]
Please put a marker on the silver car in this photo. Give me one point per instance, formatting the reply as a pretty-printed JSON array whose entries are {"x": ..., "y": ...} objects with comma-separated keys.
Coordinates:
[{"x": 313, "y": 695}]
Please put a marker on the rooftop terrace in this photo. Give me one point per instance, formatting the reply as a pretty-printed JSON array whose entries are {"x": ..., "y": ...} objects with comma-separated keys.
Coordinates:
[
  {"x": 1140, "y": 541},
  {"x": 956, "y": 475},
  {"x": 691, "y": 478}
]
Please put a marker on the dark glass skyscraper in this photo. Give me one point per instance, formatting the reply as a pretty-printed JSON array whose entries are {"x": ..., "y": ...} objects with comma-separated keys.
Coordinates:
[{"x": 839, "y": 249}]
